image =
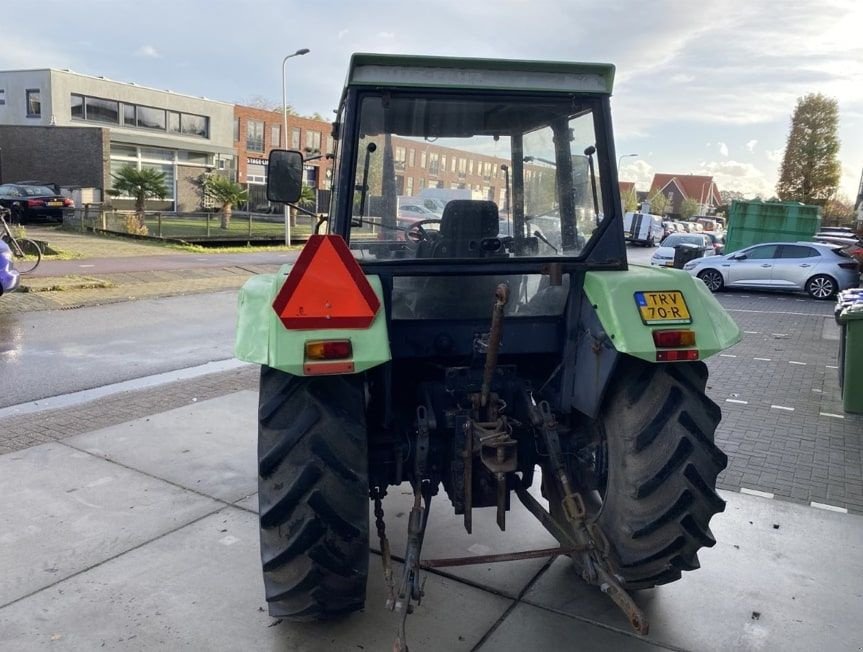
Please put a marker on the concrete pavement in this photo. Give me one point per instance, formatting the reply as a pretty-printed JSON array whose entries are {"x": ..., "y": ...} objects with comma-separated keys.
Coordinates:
[{"x": 143, "y": 535}]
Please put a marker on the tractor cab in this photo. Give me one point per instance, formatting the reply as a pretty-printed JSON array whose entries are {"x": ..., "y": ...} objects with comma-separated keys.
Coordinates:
[{"x": 528, "y": 155}]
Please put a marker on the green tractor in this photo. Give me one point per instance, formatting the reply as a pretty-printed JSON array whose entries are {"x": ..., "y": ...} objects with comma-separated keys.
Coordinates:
[{"x": 502, "y": 343}]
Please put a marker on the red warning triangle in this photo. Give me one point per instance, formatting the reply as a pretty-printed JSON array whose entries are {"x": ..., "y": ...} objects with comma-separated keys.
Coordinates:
[{"x": 326, "y": 289}]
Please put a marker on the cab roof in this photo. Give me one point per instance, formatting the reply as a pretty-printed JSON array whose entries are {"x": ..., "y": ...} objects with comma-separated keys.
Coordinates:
[{"x": 408, "y": 71}]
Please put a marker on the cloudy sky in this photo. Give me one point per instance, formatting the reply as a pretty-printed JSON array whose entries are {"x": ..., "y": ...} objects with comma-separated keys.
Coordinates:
[{"x": 701, "y": 87}]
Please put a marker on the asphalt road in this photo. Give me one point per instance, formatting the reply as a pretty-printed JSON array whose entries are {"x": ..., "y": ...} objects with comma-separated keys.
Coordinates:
[{"x": 45, "y": 354}]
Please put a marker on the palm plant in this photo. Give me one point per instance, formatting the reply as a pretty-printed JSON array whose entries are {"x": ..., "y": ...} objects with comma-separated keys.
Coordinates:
[
  {"x": 227, "y": 193},
  {"x": 140, "y": 184},
  {"x": 307, "y": 195}
]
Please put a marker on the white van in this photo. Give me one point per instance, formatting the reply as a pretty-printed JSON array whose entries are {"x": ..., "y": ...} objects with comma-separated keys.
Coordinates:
[{"x": 642, "y": 228}]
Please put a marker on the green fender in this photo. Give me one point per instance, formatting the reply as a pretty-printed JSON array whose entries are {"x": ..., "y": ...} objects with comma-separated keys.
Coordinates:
[
  {"x": 261, "y": 337},
  {"x": 612, "y": 295}
]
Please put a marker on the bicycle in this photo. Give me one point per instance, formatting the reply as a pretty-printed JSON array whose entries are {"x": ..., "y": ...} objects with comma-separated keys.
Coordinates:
[{"x": 26, "y": 252}]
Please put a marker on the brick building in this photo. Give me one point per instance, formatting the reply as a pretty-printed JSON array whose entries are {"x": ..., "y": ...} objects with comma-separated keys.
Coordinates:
[
  {"x": 419, "y": 164},
  {"x": 258, "y": 131}
]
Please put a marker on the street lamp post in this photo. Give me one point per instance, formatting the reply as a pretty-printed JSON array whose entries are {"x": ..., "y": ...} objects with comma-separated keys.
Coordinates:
[
  {"x": 285, "y": 132},
  {"x": 623, "y": 156}
]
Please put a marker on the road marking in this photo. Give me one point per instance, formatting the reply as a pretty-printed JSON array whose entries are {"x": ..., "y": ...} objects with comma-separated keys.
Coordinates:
[
  {"x": 734, "y": 400},
  {"x": 830, "y": 414},
  {"x": 727, "y": 355},
  {"x": 779, "y": 312},
  {"x": 86, "y": 265},
  {"x": 782, "y": 407},
  {"x": 751, "y": 332},
  {"x": 744, "y": 296},
  {"x": 829, "y": 508},
  {"x": 779, "y": 334},
  {"x": 801, "y": 300},
  {"x": 817, "y": 391},
  {"x": 831, "y": 366},
  {"x": 795, "y": 362},
  {"x": 762, "y": 359},
  {"x": 755, "y": 492}
]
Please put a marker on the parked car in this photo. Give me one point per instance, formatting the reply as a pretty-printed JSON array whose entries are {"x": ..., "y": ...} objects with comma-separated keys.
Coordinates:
[
  {"x": 664, "y": 256},
  {"x": 33, "y": 202},
  {"x": 717, "y": 240},
  {"x": 9, "y": 278},
  {"x": 819, "y": 269},
  {"x": 416, "y": 211}
]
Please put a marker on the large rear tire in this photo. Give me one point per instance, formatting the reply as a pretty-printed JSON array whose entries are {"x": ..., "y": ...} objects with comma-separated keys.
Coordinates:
[
  {"x": 658, "y": 427},
  {"x": 313, "y": 494}
]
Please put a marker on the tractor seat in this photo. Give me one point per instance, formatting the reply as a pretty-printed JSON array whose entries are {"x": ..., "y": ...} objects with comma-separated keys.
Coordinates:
[{"x": 465, "y": 224}]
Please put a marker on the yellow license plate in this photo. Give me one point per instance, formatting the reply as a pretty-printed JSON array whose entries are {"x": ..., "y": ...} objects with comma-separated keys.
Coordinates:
[{"x": 668, "y": 307}]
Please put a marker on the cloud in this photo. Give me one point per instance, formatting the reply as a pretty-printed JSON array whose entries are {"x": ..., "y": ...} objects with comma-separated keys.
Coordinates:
[
  {"x": 637, "y": 170},
  {"x": 774, "y": 155},
  {"x": 723, "y": 149},
  {"x": 742, "y": 177},
  {"x": 342, "y": 33},
  {"x": 386, "y": 35},
  {"x": 147, "y": 51},
  {"x": 750, "y": 145}
]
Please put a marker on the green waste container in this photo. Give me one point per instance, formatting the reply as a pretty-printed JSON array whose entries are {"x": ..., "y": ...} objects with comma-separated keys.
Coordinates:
[{"x": 851, "y": 369}]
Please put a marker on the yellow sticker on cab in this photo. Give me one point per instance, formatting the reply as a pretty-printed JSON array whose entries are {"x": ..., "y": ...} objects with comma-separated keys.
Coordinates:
[{"x": 663, "y": 307}]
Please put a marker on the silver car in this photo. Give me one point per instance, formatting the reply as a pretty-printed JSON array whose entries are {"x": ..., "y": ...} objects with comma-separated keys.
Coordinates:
[{"x": 816, "y": 268}]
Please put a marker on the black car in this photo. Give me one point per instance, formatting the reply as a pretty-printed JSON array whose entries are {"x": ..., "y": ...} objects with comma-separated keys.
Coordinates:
[{"x": 29, "y": 203}]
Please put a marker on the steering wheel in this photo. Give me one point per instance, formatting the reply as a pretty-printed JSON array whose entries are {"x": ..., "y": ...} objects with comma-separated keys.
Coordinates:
[{"x": 416, "y": 233}]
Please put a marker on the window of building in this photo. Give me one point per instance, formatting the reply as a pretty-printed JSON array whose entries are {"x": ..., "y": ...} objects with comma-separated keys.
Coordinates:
[
  {"x": 295, "y": 138},
  {"x": 149, "y": 118},
  {"x": 236, "y": 130},
  {"x": 330, "y": 145},
  {"x": 410, "y": 185},
  {"x": 433, "y": 163},
  {"x": 129, "y": 115},
  {"x": 2, "y": 96},
  {"x": 77, "y": 103},
  {"x": 254, "y": 136},
  {"x": 423, "y": 160},
  {"x": 411, "y": 157},
  {"x": 443, "y": 162},
  {"x": 34, "y": 104},
  {"x": 452, "y": 164},
  {"x": 401, "y": 153},
  {"x": 313, "y": 140},
  {"x": 96, "y": 109},
  {"x": 470, "y": 167},
  {"x": 194, "y": 125},
  {"x": 275, "y": 136}
]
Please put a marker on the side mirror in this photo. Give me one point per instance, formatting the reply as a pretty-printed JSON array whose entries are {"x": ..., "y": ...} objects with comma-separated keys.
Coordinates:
[
  {"x": 284, "y": 176},
  {"x": 738, "y": 257}
]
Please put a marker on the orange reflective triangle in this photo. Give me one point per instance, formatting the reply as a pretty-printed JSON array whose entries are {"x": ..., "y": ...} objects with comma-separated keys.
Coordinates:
[{"x": 326, "y": 289}]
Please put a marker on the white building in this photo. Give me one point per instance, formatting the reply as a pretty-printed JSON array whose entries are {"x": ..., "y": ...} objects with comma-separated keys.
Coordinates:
[{"x": 73, "y": 129}]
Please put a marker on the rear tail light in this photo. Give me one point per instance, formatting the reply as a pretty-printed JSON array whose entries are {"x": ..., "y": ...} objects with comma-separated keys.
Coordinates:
[
  {"x": 674, "y": 340},
  {"x": 68, "y": 203},
  {"x": 671, "y": 339},
  {"x": 33, "y": 203},
  {"x": 854, "y": 266},
  {"x": 329, "y": 350},
  {"x": 677, "y": 355}
]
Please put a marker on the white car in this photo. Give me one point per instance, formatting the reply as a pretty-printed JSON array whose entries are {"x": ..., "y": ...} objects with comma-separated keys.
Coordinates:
[{"x": 664, "y": 256}]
